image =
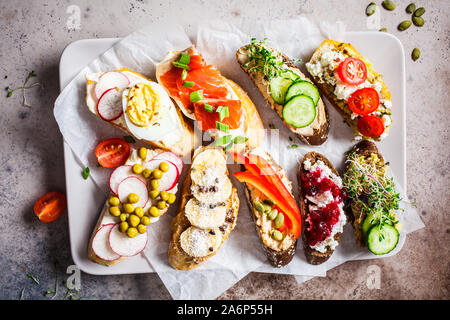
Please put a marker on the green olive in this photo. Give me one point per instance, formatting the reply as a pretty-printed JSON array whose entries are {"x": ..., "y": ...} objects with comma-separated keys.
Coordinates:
[
  {"x": 115, "y": 211},
  {"x": 154, "y": 211},
  {"x": 133, "y": 220},
  {"x": 147, "y": 173},
  {"x": 139, "y": 211},
  {"x": 123, "y": 217},
  {"x": 123, "y": 226},
  {"x": 141, "y": 228},
  {"x": 114, "y": 201},
  {"x": 128, "y": 207},
  {"x": 133, "y": 198},
  {"x": 161, "y": 204},
  {"x": 164, "y": 195},
  {"x": 143, "y": 153},
  {"x": 164, "y": 166},
  {"x": 137, "y": 168},
  {"x": 132, "y": 232},
  {"x": 154, "y": 194},
  {"x": 172, "y": 198},
  {"x": 145, "y": 220},
  {"x": 277, "y": 235},
  {"x": 154, "y": 184},
  {"x": 157, "y": 174},
  {"x": 279, "y": 221}
]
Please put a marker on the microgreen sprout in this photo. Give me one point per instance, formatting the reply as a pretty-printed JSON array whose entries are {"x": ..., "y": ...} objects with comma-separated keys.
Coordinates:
[{"x": 10, "y": 90}]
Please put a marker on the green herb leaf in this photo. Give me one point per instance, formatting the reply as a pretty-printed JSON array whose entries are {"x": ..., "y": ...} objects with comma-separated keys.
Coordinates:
[
  {"x": 184, "y": 59},
  {"x": 240, "y": 139},
  {"x": 180, "y": 65},
  {"x": 129, "y": 139},
  {"x": 86, "y": 173},
  {"x": 196, "y": 96},
  {"x": 184, "y": 74},
  {"x": 294, "y": 146},
  {"x": 222, "y": 127},
  {"x": 33, "y": 277},
  {"x": 223, "y": 112},
  {"x": 188, "y": 84},
  {"x": 223, "y": 140},
  {"x": 209, "y": 107}
]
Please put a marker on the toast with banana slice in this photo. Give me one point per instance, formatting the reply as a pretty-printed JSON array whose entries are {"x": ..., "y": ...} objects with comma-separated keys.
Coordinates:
[
  {"x": 208, "y": 210},
  {"x": 289, "y": 92},
  {"x": 322, "y": 201}
]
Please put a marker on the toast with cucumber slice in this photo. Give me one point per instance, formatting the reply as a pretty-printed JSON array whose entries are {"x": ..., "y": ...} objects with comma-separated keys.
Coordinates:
[
  {"x": 289, "y": 92},
  {"x": 322, "y": 202},
  {"x": 373, "y": 200}
]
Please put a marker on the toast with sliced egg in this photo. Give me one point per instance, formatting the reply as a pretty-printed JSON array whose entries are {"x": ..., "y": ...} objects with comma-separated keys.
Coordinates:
[
  {"x": 374, "y": 201},
  {"x": 289, "y": 92},
  {"x": 134, "y": 203},
  {"x": 141, "y": 108},
  {"x": 322, "y": 202},
  {"x": 208, "y": 210},
  {"x": 355, "y": 89},
  {"x": 272, "y": 206},
  {"x": 218, "y": 105}
]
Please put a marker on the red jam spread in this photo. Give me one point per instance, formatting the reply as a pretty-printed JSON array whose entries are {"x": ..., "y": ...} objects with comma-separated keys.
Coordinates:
[{"x": 322, "y": 219}]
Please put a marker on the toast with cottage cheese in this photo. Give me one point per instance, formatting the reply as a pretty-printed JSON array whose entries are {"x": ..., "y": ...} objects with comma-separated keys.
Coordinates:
[
  {"x": 322, "y": 202},
  {"x": 208, "y": 211},
  {"x": 324, "y": 68},
  {"x": 256, "y": 60},
  {"x": 180, "y": 140}
]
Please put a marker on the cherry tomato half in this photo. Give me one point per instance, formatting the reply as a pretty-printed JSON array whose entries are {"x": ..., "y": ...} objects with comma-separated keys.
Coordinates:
[
  {"x": 50, "y": 206},
  {"x": 112, "y": 152},
  {"x": 352, "y": 71},
  {"x": 364, "y": 101},
  {"x": 370, "y": 126}
]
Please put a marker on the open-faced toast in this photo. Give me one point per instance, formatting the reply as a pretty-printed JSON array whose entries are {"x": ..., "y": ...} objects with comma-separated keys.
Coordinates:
[
  {"x": 218, "y": 105},
  {"x": 130, "y": 208},
  {"x": 289, "y": 92},
  {"x": 208, "y": 211},
  {"x": 165, "y": 127},
  {"x": 272, "y": 205},
  {"x": 373, "y": 199},
  {"x": 322, "y": 202},
  {"x": 354, "y": 88}
]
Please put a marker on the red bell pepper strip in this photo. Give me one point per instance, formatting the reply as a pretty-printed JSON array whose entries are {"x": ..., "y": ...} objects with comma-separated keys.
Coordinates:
[
  {"x": 265, "y": 188},
  {"x": 260, "y": 167}
]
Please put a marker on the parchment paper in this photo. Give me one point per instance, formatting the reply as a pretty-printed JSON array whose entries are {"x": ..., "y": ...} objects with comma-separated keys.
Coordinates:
[{"x": 218, "y": 42}]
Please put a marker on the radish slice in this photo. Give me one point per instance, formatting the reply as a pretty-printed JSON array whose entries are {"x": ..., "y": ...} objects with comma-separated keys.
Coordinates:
[
  {"x": 109, "y": 106},
  {"x": 133, "y": 185},
  {"x": 118, "y": 175},
  {"x": 125, "y": 246},
  {"x": 100, "y": 243},
  {"x": 172, "y": 157},
  {"x": 109, "y": 80},
  {"x": 169, "y": 178}
]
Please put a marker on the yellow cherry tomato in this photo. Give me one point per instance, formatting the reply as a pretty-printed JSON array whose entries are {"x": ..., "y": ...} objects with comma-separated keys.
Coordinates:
[
  {"x": 133, "y": 198},
  {"x": 143, "y": 153},
  {"x": 164, "y": 166},
  {"x": 114, "y": 201},
  {"x": 132, "y": 232},
  {"x": 137, "y": 168},
  {"x": 115, "y": 211}
]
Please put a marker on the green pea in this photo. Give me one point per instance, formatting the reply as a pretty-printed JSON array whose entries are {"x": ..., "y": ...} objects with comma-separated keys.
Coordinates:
[
  {"x": 388, "y": 5},
  {"x": 157, "y": 174},
  {"x": 411, "y": 8},
  {"x": 404, "y": 25},
  {"x": 279, "y": 221},
  {"x": 415, "y": 54},
  {"x": 370, "y": 10},
  {"x": 277, "y": 235},
  {"x": 418, "y": 21},
  {"x": 143, "y": 153},
  {"x": 419, "y": 12}
]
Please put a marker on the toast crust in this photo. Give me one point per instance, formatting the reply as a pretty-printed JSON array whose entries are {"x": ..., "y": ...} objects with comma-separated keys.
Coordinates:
[
  {"x": 313, "y": 256},
  {"x": 314, "y": 134},
  {"x": 178, "y": 258}
]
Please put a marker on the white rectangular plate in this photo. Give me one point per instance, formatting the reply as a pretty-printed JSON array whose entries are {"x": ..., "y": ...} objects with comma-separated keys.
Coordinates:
[{"x": 382, "y": 49}]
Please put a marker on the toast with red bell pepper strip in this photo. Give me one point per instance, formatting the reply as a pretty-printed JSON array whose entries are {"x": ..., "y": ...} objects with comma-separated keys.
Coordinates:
[
  {"x": 354, "y": 88},
  {"x": 273, "y": 208},
  {"x": 322, "y": 199}
]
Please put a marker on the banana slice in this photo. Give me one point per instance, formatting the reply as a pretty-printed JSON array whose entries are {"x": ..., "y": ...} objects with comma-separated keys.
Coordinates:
[
  {"x": 200, "y": 243},
  {"x": 215, "y": 193},
  {"x": 207, "y": 166},
  {"x": 203, "y": 216}
]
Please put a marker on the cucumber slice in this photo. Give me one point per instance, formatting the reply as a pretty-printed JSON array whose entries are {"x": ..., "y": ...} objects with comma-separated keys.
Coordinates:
[
  {"x": 382, "y": 239},
  {"x": 279, "y": 85},
  {"x": 299, "y": 111},
  {"x": 369, "y": 221},
  {"x": 303, "y": 87}
]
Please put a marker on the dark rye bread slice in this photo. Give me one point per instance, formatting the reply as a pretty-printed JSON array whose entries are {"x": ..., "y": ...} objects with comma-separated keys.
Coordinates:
[
  {"x": 277, "y": 258},
  {"x": 313, "y": 256},
  {"x": 354, "y": 212},
  {"x": 319, "y": 134}
]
